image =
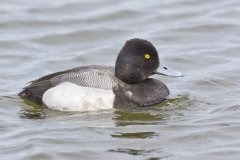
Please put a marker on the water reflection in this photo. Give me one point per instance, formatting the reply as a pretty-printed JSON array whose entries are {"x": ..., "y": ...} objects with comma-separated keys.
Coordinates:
[
  {"x": 141, "y": 135},
  {"x": 32, "y": 111},
  {"x": 131, "y": 151},
  {"x": 124, "y": 118}
]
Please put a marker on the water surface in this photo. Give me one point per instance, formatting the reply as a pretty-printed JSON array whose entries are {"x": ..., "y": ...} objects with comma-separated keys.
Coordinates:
[{"x": 198, "y": 37}]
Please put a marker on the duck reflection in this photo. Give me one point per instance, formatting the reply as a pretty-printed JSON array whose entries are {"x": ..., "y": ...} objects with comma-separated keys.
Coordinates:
[
  {"x": 138, "y": 117},
  {"x": 141, "y": 135},
  {"x": 153, "y": 115},
  {"x": 124, "y": 118},
  {"x": 131, "y": 151},
  {"x": 32, "y": 110}
]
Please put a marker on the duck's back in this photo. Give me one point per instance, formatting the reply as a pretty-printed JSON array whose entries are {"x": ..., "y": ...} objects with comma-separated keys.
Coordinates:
[{"x": 96, "y": 76}]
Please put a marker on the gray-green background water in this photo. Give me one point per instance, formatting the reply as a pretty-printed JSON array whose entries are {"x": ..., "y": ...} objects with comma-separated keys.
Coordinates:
[{"x": 201, "y": 38}]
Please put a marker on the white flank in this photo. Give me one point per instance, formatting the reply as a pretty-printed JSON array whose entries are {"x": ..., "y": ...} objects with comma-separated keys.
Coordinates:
[{"x": 71, "y": 97}]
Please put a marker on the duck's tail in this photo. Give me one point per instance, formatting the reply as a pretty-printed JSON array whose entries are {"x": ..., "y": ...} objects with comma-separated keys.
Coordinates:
[{"x": 35, "y": 91}]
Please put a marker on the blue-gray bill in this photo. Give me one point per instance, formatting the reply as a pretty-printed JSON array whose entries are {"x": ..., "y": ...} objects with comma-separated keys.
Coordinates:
[{"x": 164, "y": 70}]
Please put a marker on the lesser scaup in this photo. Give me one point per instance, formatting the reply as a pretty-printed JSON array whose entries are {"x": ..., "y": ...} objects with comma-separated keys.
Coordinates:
[{"x": 103, "y": 87}]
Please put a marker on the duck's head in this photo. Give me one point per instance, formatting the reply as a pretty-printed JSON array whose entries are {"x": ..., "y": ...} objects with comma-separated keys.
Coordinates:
[{"x": 137, "y": 60}]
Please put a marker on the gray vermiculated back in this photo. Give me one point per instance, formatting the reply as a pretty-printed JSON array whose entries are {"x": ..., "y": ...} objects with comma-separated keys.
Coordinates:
[{"x": 93, "y": 76}]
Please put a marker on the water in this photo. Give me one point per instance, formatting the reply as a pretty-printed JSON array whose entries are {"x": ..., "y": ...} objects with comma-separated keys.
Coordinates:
[{"x": 198, "y": 37}]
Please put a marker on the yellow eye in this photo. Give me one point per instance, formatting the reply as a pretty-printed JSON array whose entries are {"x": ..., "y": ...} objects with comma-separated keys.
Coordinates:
[{"x": 147, "y": 56}]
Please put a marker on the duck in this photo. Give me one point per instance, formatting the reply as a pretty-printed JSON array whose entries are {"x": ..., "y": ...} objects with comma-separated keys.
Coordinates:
[{"x": 99, "y": 87}]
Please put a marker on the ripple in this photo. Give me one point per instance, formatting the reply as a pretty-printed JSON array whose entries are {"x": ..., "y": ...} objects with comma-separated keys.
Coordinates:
[
  {"x": 79, "y": 37},
  {"x": 231, "y": 109},
  {"x": 200, "y": 120}
]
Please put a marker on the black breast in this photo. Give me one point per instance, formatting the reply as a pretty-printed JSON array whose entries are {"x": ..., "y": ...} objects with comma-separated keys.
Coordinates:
[{"x": 148, "y": 92}]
